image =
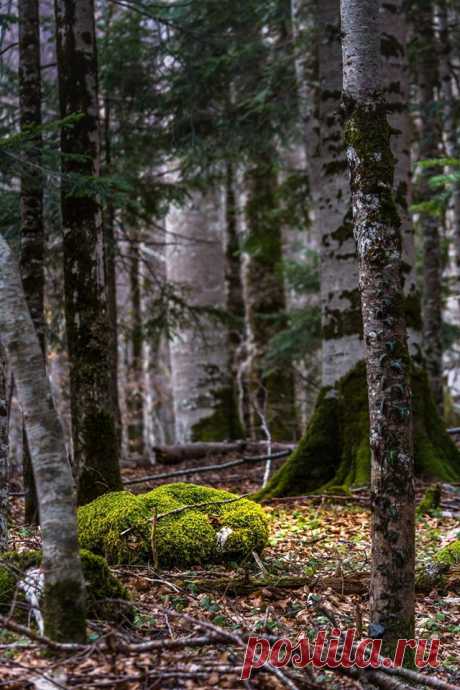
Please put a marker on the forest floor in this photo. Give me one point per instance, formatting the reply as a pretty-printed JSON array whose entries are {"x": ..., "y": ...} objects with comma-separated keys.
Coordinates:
[{"x": 326, "y": 542}]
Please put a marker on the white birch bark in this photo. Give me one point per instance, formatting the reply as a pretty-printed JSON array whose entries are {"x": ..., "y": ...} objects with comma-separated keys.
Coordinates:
[
  {"x": 64, "y": 584},
  {"x": 199, "y": 355}
]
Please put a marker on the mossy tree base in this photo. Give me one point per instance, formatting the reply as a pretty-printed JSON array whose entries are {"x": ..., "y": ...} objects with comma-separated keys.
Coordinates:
[
  {"x": 334, "y": 453},
  {"x": 103, "y": 591}
]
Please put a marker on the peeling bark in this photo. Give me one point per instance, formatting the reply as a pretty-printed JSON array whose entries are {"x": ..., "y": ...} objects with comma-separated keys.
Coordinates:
[
  {"x": 32, "y": 230},
  {"x": 94, "y": 418},
  {"x": 377, "y": 231},
  {"x": 64, "y": 609}
]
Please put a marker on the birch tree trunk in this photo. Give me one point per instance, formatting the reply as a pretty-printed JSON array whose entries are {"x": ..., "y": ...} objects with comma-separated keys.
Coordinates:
[
  {"x": 94, "y": 418},
  {"x": 427, "y": 77},
  {"x": 204, "y": 404},
  {"x": 64, "y": 593},
  {"x": 32, "y": 230},
  {"x": 377, "y": 230},
  {"x": 4, "y": 502},
  {"x": 334, "y": 452}
]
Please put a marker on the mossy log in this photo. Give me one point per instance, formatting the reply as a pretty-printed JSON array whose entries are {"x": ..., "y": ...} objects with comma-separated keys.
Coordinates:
[
  {"x": 431, "y": 500},
  {"x": 173, "y": 525},
  {"x": 334, "y": 453},
  {"x": 103, "y": 591}
]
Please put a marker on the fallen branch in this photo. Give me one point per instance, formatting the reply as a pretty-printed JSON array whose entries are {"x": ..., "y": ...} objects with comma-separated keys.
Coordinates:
[
  {"x": 205, "y": 504},
  {"x": 206, "y": 468},
  {"x": 173, "y": 455}
]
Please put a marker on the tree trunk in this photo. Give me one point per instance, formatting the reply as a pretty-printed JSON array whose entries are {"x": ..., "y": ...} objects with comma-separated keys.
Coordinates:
[
  {"x": 64, "y": 593},
  {"x": 452, "y": 150},
  {"x": 427, "y": 77},
  {"x": 271, "y": 389},
  {"x": 205, "y": 408},
  {"x": 94, "y": 418},
  {"x": 4, "y": 502},
  {"x": 334, "y": 453},
  {"x": 377, "y": 231},
  {"x": 32, "y": 230},
  {"x": 135, "y": 388},
  {"x": 234, "y": 298}
]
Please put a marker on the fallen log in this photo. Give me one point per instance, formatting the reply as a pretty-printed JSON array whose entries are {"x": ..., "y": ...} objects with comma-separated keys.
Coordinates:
[
  {"x": 173, "y": 455},
  {"x": 356, "y": 583},
  {"x": 206, "y": 468}
]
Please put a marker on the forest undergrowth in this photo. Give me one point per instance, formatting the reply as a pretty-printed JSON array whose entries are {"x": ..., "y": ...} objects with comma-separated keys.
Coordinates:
[{"x": 324, "y": 543}]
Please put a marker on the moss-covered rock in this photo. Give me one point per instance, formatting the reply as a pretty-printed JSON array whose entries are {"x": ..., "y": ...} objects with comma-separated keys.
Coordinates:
[
  {"x": 334, "y": 453},
  {"x": 104, "y": 591},
  {"x": 450, "y": 554},
  {"x": 120, "y": 526}
]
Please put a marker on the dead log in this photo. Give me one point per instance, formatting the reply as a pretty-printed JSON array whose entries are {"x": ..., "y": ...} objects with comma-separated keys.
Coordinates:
[
  {"x": 173, "y": 455},
  {"x": 357, "y": 583}
]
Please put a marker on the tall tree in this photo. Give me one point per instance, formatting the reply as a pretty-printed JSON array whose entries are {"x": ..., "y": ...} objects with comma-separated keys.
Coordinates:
[
  {"x": 64, "y": 592},
  {"x": 204, "y": 403},
  {"x": 94, "y": 418},
  {"x": 32, "y": 230},
  {"x": 334, "y": 452},
  {"x": 428, "y": 81},
  {"x": 377, "y": 231},
  {"x": 3, "y": 452}
]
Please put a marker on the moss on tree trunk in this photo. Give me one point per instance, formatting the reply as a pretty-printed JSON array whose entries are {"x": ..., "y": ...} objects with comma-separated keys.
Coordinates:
[{"x": 334, "y": 453}]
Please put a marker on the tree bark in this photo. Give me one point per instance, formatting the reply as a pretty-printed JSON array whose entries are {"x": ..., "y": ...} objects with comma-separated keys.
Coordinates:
[
  {"x": 4, "y": 502},
  {"x": 32, "y": 229},
  {"x": 271, "y": 390},
  {"x": 427, "y": 77},
  {"x": 94, "y": 418},
  {"x": 135, "y": 383},
  {"x": 64, "y": 593},
  {"x": 205, "y": 408},
  {"x": 377, "y": 231}
]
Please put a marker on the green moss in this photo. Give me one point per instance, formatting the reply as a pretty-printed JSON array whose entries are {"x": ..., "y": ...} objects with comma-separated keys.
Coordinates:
[
  {"x": 101, "y": 585},
  {"x": 334, "y": 453},
  {"x": 223, "y": 423},
  {"x": 63, "y": 614},
  {"x": 450, "y": 554},
  {"x": 430, "y": 501},
  {"x": 120, "y": 526}
]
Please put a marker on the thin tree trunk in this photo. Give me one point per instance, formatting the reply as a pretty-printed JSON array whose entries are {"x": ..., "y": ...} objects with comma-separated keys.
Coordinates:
[
  {"x": 64, "y": 593},
  {"x": 377, "y": 230},
  {"x": 94, "y": 417},
  {"x": 234, "y": 294},
  {"x": 427, "y": 77},
  {"x": 32, "y": 230},
  {"x": 135, "y": 392},
  {"x": 4, "y": 503}
]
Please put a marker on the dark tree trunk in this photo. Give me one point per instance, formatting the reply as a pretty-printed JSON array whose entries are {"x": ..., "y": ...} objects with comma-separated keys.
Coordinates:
[
  {"x": 32, "y": 230},
  {"x": 94, "y": 417},
  {"x": 135, "y": 392},
  {"x": 4, "y": 503},
  {"x": 271, "y": 391},
  {"x": 377, "y": 230},
  {"x": 427, "y": 77}
]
